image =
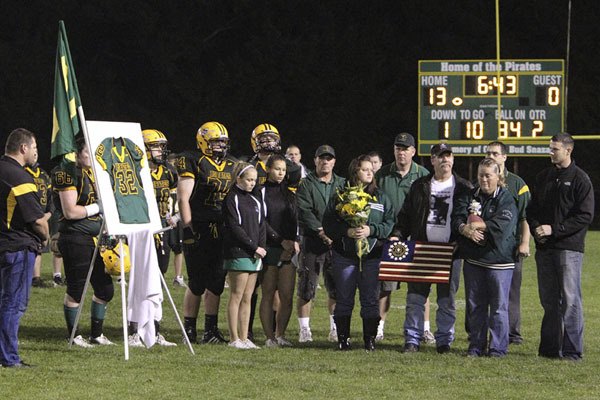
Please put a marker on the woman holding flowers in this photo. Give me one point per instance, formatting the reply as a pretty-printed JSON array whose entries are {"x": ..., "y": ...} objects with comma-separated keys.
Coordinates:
[{"x": 358, "y": 222}]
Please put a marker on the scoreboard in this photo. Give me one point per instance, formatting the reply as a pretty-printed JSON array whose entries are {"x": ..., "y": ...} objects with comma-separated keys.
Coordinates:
[{"x": 458, "y": 104}]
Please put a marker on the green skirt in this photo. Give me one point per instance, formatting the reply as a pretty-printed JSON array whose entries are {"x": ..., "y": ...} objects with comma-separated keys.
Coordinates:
[{"x": 243, "y": 264}]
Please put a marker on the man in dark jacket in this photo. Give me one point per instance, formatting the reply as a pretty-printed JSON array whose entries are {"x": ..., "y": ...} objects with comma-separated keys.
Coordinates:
[
  {"x": 314, "y": 193},
  {"x": 395, "y": 180},
  {"x": 561, "y": 209},
  {"x": 425, "y": 216}
]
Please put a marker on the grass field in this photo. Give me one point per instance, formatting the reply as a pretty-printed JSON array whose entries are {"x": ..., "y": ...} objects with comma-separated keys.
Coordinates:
[{"x": 313, "y": 371}]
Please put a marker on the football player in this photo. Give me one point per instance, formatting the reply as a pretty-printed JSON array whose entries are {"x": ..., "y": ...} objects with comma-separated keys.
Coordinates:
[
  {"x": 266, "y": 141},
  {"x": 205, "y": 176},
  {"x": 79, "y": 225}
]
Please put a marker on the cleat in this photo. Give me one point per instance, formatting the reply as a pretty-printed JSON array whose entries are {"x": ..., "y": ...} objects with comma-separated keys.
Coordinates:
[
  {"x": 213, "y": 337},
  {"x": 38, "y": 282},
  {"x": 161, "y": 341},
  {"x": 305, "y": 335},
  {"x": 58, "y": 281},
  {"x": 135, "y": 340},
  {"x": 428, "y": 337},
  {"x": 379, "y": 336},
  {"x": 179, "y": 282},
  {"x": 101, "y": 340},
  {"x": 81, "y": 342},
  {"x": 333, "y": 336},
  {"x": 271, "y": 343},
  {"x": 283, "y": 342}
]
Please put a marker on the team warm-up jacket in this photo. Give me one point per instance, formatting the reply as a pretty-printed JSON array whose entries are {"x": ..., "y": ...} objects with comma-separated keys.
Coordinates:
[
  {"x": 312, "y": 202},
  {"x": 499, "y": 212},
  {"x": 245, "y": 228},
  {"x": 395, "y": 186},
  {"x": 380, "y": 222},
  {"x": 564, "y": 199}
]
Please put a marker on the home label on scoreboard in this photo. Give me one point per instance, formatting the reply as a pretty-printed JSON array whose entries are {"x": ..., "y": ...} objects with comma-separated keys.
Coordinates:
[{"x": 458, "y": 103}]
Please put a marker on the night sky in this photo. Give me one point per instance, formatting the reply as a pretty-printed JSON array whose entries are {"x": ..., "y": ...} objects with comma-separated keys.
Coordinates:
[{"x": 337, "y": 72}]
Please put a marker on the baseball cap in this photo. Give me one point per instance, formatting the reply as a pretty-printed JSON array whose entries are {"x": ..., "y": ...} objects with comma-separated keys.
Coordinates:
[
  {"x": 404, "y": 139},
  {"x": 324, "y": 150},
  {"x": 440, "y": 148}
]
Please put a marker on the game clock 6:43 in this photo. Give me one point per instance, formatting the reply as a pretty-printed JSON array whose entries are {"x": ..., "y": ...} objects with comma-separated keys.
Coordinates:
[{"x": 459, "y": 100}]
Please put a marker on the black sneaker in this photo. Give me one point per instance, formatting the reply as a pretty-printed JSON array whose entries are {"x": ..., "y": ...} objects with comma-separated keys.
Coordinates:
[
  {"x": 38, "y": 282},
  {"x": 213, "y": 337},
  {"x": 443, "y": 349},
  {"x": 58, "y": 281},
  {"x": 410, "y": 348},
  {"x": 21, "y": 364}
]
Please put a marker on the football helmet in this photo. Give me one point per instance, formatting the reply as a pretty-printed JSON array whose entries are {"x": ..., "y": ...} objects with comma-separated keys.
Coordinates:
[
  {"x": 213, "y": 139},
  {"x": 109, "y": 252},
  {"x": 262, "y": 139},
  {"x": 155, "y": 140}
]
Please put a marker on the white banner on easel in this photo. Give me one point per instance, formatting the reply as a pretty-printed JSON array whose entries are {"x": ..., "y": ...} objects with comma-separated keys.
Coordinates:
[
  {"x": 129, "y": 206},
  {"x": 123, "y": 177}
]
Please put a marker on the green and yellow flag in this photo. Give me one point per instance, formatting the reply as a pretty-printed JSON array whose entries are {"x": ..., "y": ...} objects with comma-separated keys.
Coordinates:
[{"x": 65, "y": 122}]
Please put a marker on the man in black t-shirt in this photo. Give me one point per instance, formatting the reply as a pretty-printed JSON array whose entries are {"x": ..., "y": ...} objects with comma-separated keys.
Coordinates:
[{"x": 23, "y": 232}]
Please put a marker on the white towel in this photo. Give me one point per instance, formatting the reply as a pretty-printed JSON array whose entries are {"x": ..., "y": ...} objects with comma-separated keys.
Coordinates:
[{"x": 145, "y": 293}]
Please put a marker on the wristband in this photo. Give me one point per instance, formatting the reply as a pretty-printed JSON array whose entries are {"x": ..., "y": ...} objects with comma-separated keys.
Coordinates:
[{"x": 91, "y": 209}]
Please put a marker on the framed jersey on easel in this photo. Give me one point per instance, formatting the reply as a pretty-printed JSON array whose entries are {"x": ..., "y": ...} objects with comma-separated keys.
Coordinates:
[{"x": 122, "y": 177}]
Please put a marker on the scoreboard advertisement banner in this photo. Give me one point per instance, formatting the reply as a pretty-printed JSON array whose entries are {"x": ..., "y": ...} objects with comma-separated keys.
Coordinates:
[{"x": 458, "y": 103}]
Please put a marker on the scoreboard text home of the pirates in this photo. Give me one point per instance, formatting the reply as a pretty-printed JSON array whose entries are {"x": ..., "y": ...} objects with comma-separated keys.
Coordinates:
[{"x": 458, "y": 103}]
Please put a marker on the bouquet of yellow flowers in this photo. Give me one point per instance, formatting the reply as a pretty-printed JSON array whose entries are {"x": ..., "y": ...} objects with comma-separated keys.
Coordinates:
[{"x": 353, "y": 205}]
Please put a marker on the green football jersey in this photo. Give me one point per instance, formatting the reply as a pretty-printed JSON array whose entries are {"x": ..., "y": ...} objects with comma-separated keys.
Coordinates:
[
  {"x": 67, "y": 176},
  {"x": 123, "y": 160}
]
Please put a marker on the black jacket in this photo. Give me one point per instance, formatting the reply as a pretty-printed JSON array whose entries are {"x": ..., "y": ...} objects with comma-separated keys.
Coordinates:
[
  {"x": 245, "y": 228},
  {"x": 281, "y": 213},
  {"x": 412, "y": 219},
  {"x": 564, "y": 199}
]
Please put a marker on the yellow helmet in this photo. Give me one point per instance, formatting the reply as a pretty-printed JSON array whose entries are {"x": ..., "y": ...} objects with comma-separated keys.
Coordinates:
[
  {"x": 154, "y": 138},
  {"x": 213, "y": 139},
  {"x": 112, "y": 259},
  {"x": 258, "y": 144}
]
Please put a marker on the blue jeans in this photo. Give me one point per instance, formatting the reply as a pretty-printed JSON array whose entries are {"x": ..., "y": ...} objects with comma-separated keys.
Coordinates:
[
  {"x": 487, "y": 297},
  {"x": 559, "y": 284},
  {"x": 16, "y": 270},
  {"x": 347, "y": 277},
  {"x": 445, "y": 316},
  {"x": 514, "y": 303}
]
